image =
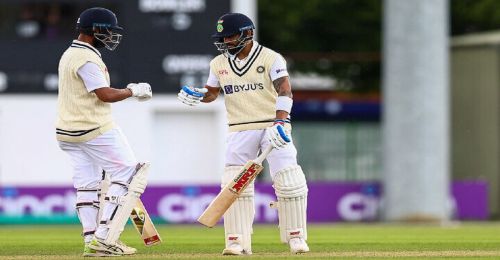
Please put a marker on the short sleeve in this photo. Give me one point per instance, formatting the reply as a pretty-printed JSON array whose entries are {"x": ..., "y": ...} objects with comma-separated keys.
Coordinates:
[
  {"x": 212, "y": 80},
  {"x": 92, "y": 76},
  {"x": 278, "y": 69}
]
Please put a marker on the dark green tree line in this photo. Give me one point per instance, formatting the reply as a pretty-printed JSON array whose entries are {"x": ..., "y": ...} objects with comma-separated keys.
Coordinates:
[{"x": 342, "y": 38}]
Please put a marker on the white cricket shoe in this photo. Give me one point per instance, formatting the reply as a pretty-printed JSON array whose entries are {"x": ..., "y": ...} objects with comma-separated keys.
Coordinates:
[
  {"x": 233, "y": 249},
  {"x": 298, "y": 245},
  {"x": 89, "y": 252},
  {"x": 116, "y": 249},
  {"x": 234, "y": 246},
  {"x": 127, "y": 250}
]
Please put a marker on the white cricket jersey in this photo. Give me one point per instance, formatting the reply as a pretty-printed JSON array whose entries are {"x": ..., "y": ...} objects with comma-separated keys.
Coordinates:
[
  {"x": 249, "y": 93},
  {"x": 278, "y": 69},
  {"x": 81, "y": 115}
]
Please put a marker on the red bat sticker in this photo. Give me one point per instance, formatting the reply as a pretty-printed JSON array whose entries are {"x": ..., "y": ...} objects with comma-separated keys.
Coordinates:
[{"x": 243, "y": 179}]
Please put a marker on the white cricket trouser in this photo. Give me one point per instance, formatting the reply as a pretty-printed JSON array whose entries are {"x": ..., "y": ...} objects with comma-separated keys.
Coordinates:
[
  {"x": 109, "y": 151},
  {"x": 244, "y": 146}
]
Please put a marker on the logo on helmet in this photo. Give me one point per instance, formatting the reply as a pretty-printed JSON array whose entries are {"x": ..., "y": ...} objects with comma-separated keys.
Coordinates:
[
  {"x": 219, "y": 26},
  {"x": 101, "y": 24}
]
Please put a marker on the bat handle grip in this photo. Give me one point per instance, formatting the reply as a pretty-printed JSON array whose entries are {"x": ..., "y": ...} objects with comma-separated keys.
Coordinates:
[{"x": 264, "y": 154}]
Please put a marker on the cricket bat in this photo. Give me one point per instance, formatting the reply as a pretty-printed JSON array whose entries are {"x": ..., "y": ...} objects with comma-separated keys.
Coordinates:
[
  {"x": 232, "y": 190},
  {"x": 144, "y": 225}
]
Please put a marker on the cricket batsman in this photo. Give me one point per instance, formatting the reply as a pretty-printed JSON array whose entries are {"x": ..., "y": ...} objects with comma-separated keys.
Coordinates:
[
  {"x": 86, "y": 132},
  {"x": 258, "y": 99}
]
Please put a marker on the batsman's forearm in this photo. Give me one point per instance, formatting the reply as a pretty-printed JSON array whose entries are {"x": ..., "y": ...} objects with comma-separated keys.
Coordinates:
[
  {"x": 280, "y": 114},
  {"x": 283, "y": 87},
  {"x": 211, "y": 95},
  {"x": 111, "y": 95},
  {"x": 208, "y": 98}
]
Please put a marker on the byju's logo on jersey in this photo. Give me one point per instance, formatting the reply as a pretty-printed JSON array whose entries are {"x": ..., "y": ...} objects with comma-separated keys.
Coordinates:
[{"x": 230, "y": 89}]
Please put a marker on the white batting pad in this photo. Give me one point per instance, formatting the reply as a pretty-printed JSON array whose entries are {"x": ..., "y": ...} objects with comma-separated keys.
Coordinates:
[
  {"x": 291, "y": 190},
  {"x": 101, "y": 193},
  {"x": 87, "y": 207},
  {"x": 238, "y": 219},
  {"x": 124, "y": 204}
]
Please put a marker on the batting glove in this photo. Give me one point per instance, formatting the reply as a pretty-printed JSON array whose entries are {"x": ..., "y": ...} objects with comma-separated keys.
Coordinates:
[
  {"x": 142, "y": 91},
  {"x": 277, "y": 136},
  {"x": 191, "y": 96}
]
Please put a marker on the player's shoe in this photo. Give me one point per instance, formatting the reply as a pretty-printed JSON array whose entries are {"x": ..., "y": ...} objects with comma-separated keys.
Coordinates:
[
  {"x": 116, "y": 249},
  {"x": 298, "y": 245},
  {"x": 235, "y": 249},
  {"x": 127, "y": 250},
  {"x": 89, "y": 252}
]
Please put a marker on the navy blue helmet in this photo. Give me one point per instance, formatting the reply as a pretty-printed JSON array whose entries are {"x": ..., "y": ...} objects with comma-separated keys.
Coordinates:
[
  {"x": 229, "y": 25},
  {"x": 102, "y": 24}
]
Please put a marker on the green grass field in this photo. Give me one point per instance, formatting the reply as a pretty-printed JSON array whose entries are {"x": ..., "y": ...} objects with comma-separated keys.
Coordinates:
[{"x": 333, "y": 241}]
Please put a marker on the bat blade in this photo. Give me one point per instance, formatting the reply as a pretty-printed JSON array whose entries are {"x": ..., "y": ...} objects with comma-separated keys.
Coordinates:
[
  {"x": 229, "y": 194},
  {"x": 217, "y": 207},
  {"x": 144, "y": 225}
]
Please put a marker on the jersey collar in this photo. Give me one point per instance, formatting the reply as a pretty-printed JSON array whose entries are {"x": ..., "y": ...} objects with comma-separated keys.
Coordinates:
[
  {"x": 84, "y": 45},
  {"x": 252, "y": 56},
  {"x": 254, "y": 47}
]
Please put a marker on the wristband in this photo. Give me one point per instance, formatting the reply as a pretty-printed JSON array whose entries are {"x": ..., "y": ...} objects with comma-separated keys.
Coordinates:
[
  {"x": 280, "y": 121},
  {"x": 284, "y": 103}
]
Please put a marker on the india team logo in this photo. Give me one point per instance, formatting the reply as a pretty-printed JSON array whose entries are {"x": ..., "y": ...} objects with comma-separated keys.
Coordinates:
[{"x": 219, "y": 26}]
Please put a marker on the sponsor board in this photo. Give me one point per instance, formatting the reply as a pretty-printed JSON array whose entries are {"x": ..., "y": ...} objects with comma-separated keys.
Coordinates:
[{"x": 327, "y": 202}]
